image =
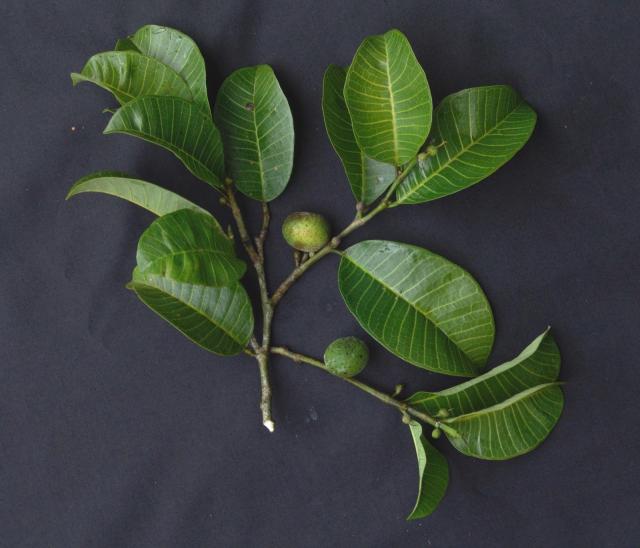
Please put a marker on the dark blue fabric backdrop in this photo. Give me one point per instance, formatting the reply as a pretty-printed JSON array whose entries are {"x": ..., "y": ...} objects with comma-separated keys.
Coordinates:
[{"x": 116, "y": 431}]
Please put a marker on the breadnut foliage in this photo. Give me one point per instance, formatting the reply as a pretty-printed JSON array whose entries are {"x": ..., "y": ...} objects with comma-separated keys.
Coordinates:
[{"x": 397, "y": 150}]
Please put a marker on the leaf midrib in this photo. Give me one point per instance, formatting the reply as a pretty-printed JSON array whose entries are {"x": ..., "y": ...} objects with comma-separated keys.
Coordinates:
[
  {"x": 394, "y": 127},
  {"x": 520, "y": 396},
  {"x": 254, "y": 114}
]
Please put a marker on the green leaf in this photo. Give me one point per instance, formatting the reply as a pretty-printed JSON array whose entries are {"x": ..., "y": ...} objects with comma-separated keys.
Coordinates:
[
  {"x": 128, "y": 75},
  {"x": 257, "y": 127},
  {"x": 178, "y": 126},
  {"x": 420, "y": 306},
  {"x": 189, "y": 247},
  {"x": 179, "y": 52},
  {"x": 125, "y": 44},
  {"x": 433, "y": 474},
  {"x": 219, "y": 319},
  {"x": 479, "y": 129},
  {"x": 388, "y": 98},
  {"x": 510, "y": 428},
  {"x": 147, "y": 195},
  {"x": 368, "y": 178},
  {"x": 538, "y": 363}
]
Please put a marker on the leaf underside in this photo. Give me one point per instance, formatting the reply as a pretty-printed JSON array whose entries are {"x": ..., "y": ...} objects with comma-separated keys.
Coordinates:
[
  {"x": 128, "y": 74},
  {"x": 420, "y": 306},
  {"x": 507, "y": 411},
  {"x": 368, "y": 178},
  {"x": 538, "y": 363},
  {"x": 189, "y": 247},
  {"x": 388, "y": 98},
  {"x": 477, "y": 131},
  {"x": 219, "y": 319},
  {"x": 256, "y": 125},
  {"x": 433, "y": 474},
  {"x": 510, "y": 428},
  {"x": 178, "y": 126},
  {"x": 152, "y": 197}
]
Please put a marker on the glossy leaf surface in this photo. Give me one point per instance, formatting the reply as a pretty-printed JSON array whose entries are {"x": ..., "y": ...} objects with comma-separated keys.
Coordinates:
[
  {"x": 433, "y": 474},
  {"x": 256, "y": 124},
  {"x": 388, "y": 98},
  {"x": 479, "y": 129},
  {"x": 368, "y": 178},
  {"x": 510, "y": 428},
  {"x": 190, "y": 247},
  {"x": 178, "y": 126},
  {"x": 152, "y": 197},
  {"x": 538, "y": 363},
  {"x": 128, "y": 75},
  {"x": 179, "y": 52},
  {"x": 219, "y": 319},
  {"x": 420, "y": 306}
]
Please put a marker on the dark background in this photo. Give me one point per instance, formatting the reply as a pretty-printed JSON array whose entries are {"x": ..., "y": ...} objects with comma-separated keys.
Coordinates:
[{"x": 116, "y": 431}]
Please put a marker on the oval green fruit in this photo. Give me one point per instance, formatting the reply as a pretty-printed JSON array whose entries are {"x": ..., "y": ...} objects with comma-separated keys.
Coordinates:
[
  {"x": 306, "y": 231},
  {"x": 346, "y": 357}
]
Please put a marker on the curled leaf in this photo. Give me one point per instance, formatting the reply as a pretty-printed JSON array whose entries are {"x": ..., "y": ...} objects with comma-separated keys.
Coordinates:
[
  {"x": 189, "y": 247},
  {"x": 433, "y": 474},
  {"x": 152, "y": 197},
  {"x": 178, "y": 126}
]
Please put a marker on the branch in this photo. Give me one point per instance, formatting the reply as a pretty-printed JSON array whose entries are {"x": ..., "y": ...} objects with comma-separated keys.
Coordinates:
[
  {"x": 335, "y": 242},
  {"x": 256, "y": 254},
  {"x": 385, "y": 398},
  {"x": 266, "y": 217}
]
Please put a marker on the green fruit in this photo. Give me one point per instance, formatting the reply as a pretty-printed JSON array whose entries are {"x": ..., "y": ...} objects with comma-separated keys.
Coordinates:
[
  {"x": 435, "y": 433},
  {"x": 346, "y": 357},
  {"x": 306, "y": 231}
]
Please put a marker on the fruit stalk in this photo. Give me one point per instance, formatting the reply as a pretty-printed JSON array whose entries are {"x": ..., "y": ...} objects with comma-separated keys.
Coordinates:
[
  {"x": 385, "y": 398},
  {"x": 335, "y": 242}
]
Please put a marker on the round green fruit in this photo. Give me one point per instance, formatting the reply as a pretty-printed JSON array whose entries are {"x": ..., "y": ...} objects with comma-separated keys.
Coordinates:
[
  {"x": 306, "y": 231},
  {"x": 346, "y": 357}
]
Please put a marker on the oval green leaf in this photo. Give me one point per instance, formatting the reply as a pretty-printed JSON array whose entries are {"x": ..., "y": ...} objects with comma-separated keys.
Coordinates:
[
  {"x": 418, "y": 305},
  {"x": 388, "y": 98},
  {"x": 433, "y": 474},
  {"x": 189, "y": 247},
  {"x": 178, "y": 126},
  {"x": 177, "y": 51},
  {"x": 510, "y": 428},
  {"x": 477, "y": 131},
  {"x": 256, "y": 124},
  {"x": 218, "y": 319},
  {"x": 151, "y": 197},
  {"x": 128, "y": 75},
  {"x": 368, "y": 178},
  {"x": 538, "y": 363}
]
